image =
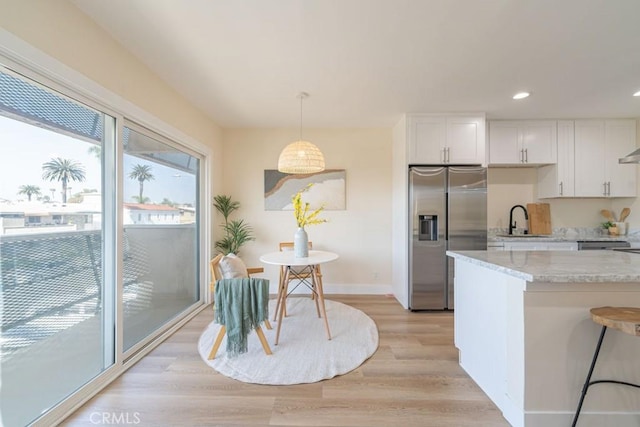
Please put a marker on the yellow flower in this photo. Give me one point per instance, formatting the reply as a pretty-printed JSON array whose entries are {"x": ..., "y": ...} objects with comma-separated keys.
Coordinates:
[{"x": 301, "y": 210}]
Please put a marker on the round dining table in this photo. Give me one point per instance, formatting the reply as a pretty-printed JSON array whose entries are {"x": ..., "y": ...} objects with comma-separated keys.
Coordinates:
[{"x": 301, "y": 269}]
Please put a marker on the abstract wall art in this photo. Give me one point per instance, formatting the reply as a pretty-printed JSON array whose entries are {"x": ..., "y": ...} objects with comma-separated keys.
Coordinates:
[{"x": 328, "y": 190}]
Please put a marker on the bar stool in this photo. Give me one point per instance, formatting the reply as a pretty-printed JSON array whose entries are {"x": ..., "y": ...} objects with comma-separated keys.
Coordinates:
[{"x": 624, "y": 319}]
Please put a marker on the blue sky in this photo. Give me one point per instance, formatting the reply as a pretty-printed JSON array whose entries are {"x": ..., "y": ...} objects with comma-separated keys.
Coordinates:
[{"x": 24, "y": 148}]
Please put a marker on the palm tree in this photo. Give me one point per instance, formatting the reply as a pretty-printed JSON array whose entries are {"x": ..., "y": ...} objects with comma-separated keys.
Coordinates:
[
  {"x": 142, "y": 173},
  {"x": 96, "y": 151},
  {"x": 29, "y": 190},
  {"x": 142, "y": 201},
  {"x": 63, "y": 170}
]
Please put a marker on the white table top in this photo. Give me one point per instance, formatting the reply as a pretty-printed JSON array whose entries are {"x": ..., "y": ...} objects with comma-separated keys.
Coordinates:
[{"x": 288, "y": 258}]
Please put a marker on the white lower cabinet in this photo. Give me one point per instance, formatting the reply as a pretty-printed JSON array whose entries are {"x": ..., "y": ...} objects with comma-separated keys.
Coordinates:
[{"x": 532, "y": 246}]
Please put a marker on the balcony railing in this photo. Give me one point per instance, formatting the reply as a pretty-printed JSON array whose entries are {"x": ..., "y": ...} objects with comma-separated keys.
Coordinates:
[{"x": 52, "y": 281}]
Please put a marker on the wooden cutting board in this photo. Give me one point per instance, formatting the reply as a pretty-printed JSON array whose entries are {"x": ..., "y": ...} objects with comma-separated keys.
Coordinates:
[{"x": 539, "y": 218}]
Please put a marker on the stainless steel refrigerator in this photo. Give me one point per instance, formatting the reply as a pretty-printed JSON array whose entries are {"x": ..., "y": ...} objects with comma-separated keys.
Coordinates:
[{"x": 448, "y": 211}]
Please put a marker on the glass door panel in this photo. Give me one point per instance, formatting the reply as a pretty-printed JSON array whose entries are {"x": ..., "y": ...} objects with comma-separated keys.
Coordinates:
[
  {"x": 160, "y": 255},
  {"x": 57, "y": 317}
]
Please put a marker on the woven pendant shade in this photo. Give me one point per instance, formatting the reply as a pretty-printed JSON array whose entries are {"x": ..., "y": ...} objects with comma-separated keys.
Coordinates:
[{"x": 301, "y": 157}]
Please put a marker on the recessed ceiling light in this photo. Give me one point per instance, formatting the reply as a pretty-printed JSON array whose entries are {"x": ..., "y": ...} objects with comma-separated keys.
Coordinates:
[
  {"x": 521, "y": 95},
  {"x": 637, "y": 93}
]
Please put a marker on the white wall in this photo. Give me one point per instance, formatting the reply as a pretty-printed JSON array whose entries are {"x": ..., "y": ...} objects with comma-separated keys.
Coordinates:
[{"x": 361, "y": 234}]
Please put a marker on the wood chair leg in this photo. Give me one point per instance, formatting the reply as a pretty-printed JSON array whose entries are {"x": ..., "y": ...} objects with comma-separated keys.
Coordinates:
[
  {"x": 216, "y": 344},
  {"x": 282, "y": 292},
  {"x": 263, "y": 341},
  {"x": 267, "y": 324},
  {"x": 314, "y": 290},
  {"x": 281, "y": 289}
]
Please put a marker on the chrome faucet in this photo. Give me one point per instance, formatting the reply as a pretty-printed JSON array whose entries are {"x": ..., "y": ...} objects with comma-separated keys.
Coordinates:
[{"x": 512, "y": 223}]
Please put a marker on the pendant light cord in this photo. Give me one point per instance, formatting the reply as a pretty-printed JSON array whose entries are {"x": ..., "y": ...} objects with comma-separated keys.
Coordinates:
[{"x": 302, "y": 96}]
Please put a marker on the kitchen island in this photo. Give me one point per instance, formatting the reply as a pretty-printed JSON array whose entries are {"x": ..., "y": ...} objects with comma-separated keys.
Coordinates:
[{"x": 525, "y": 335}]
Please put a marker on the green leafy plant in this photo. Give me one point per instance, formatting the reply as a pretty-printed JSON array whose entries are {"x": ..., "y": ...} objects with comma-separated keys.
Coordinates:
[
  {"x": 237, "y": 232},
  {"x": 607, "y": 224}
]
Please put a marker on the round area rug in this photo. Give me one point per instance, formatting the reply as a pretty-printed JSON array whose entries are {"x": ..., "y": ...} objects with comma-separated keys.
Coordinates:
[{"x": 304, "y": 354}]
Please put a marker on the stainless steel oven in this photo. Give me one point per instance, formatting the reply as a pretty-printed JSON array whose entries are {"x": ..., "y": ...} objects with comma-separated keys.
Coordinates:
[{"x": 591, "y": 245}]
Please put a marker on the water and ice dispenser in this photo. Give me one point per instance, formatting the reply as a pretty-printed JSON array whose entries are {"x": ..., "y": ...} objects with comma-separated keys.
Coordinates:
[{"x": 428, "y": 227}]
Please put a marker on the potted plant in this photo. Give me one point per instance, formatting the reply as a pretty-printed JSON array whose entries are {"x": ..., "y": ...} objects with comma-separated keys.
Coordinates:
[
  {"x": 304, "y": 217},
  {"x": 610, "y": 227},
  {"x": 237, "y": 232}
]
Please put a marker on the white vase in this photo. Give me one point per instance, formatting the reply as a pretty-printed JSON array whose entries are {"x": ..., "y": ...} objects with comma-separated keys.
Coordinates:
[{"x": 300, "y": 243}]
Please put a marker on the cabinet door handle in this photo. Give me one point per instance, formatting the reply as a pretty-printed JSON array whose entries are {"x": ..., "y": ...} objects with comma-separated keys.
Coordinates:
[
  {"x": 526, "y": 155},
  {"x": 444, "y": 155},
  {"x": 608, "y": 188},
  {"x": 561, "y": 189},
  {"x": 605, "y": 188},
  {"x": 521, "y": 156}
]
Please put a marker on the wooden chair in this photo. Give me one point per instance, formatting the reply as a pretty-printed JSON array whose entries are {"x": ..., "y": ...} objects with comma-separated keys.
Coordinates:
[
  {"x": 283, "y": 287},
  {"x": 216, "y": 275}
]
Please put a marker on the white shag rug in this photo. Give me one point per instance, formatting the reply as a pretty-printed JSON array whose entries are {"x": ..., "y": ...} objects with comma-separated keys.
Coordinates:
[{"x": 304, "y": 354}]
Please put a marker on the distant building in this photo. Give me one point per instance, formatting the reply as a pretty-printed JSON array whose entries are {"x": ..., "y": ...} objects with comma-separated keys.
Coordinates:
[
  {"x": 141, "y": 213},
  {"x": 187, "y": 214},
  {"x": 24, "y": 217}
]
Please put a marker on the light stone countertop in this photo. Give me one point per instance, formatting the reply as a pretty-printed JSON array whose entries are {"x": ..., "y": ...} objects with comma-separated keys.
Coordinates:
[
  {"x": 564, "y": 234},
  {"x": 558, "y": 238},
  {"x": 558, "y": 266}
]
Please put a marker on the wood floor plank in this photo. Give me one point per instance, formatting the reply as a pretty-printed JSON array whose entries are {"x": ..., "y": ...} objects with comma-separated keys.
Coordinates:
[
  {"x": 383, "y": 413},
  {"x": 413, "y": 379}
]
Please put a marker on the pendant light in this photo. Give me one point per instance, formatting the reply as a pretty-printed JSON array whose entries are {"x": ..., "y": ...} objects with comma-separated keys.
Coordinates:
[{"x": 301, "y": 157}]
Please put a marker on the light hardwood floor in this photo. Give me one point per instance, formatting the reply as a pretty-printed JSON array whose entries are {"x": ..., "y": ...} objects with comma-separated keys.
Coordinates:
[{"x": 413, "y": 379}]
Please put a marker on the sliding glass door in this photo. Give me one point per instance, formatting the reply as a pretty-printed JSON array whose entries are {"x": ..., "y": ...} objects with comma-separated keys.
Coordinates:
[
  {"x": 57, "y": 310},
  {"x": 160, "y": 256},
  {"x": 99, "y": 244}
]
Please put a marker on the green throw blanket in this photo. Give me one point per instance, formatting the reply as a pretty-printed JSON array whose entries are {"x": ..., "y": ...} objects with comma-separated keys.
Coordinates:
[{"x": 241, "y": 305}]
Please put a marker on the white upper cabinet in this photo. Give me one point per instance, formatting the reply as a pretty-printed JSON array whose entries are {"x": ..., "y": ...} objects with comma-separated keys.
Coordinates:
[
  {"x": 522, "y": 143},
  {"x": 598, "y": 146},
  {"x": 446, "y": 139},
  {"x": 620, "y": 140},
  {"x": 558, "y": 180}
]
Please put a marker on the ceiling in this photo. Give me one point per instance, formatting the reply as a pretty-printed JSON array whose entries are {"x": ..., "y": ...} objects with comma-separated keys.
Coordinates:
[{"x": 366, "y": 62}]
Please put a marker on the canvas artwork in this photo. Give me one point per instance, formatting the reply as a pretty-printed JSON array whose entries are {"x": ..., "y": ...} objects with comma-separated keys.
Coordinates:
[{"x": 328, "y": 190}]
